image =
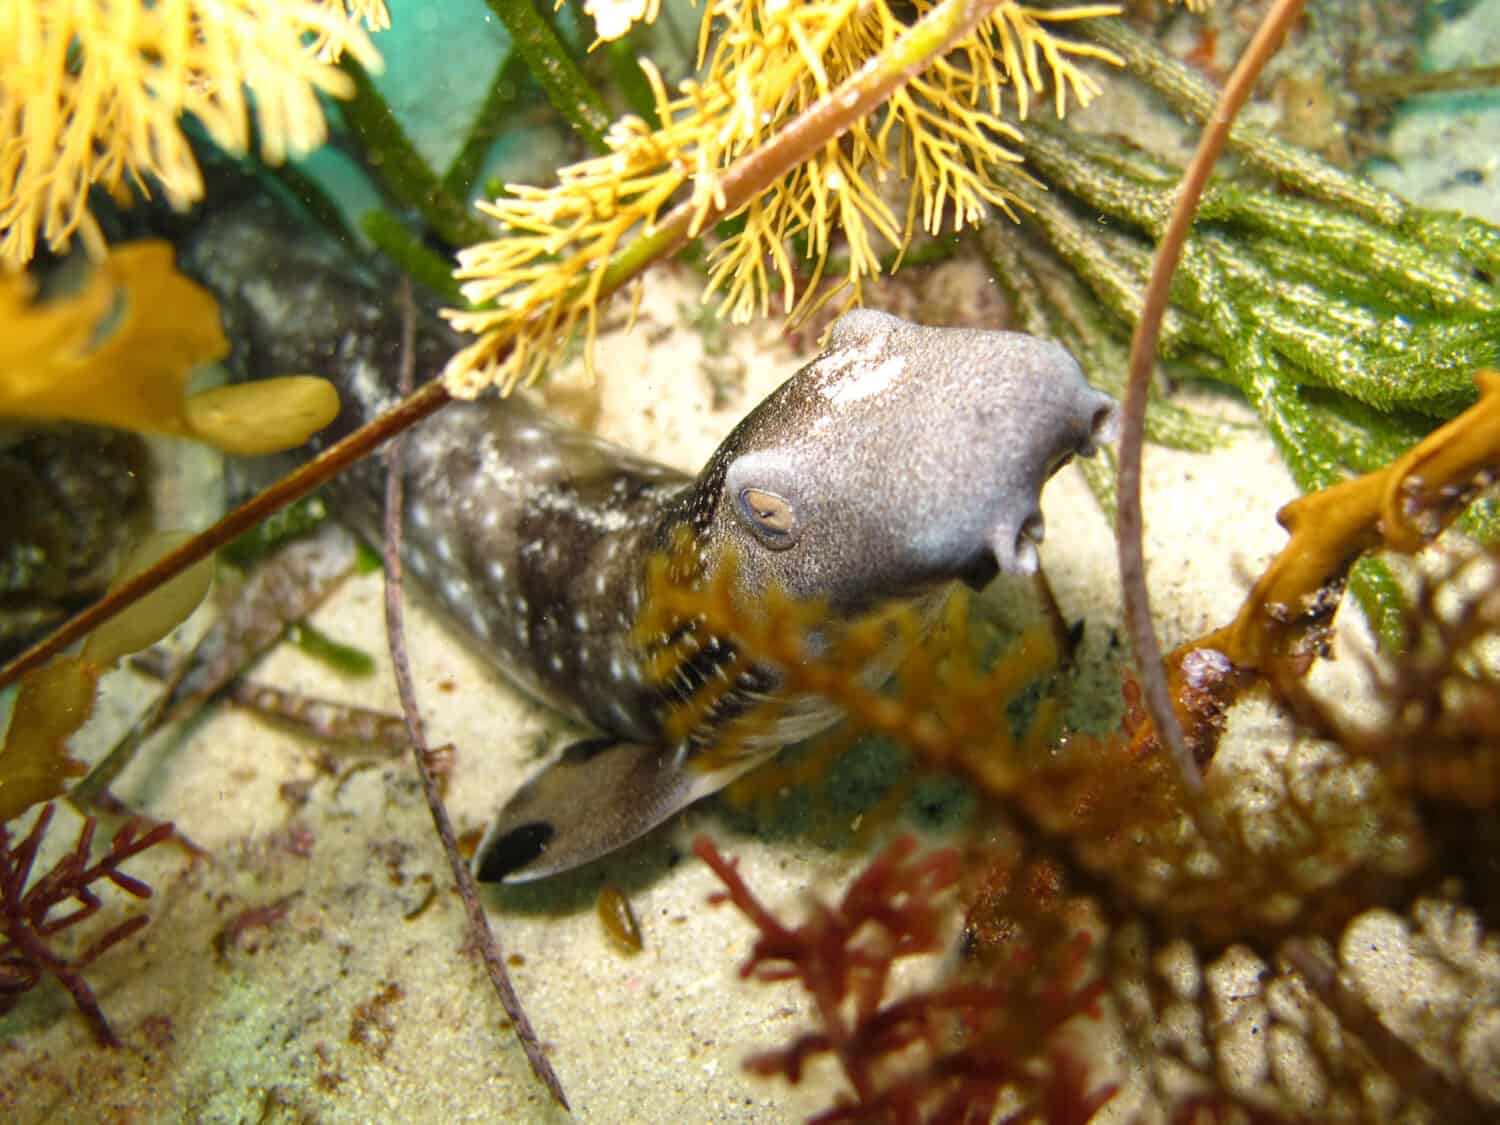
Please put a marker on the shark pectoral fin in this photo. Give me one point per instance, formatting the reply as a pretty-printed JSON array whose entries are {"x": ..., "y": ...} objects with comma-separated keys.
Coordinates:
[{"x": 600, "y": 795}]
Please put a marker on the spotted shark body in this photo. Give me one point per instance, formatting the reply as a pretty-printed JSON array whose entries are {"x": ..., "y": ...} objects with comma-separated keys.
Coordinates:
[{"x": 900, "y": 459}]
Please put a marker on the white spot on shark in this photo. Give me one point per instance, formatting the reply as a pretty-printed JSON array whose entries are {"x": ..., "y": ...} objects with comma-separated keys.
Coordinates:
[{"x": 863, "y": 382}]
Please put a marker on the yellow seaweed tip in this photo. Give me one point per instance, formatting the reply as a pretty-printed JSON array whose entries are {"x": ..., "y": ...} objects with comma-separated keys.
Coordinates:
[
  {"x": 121, "y": 350},
  {"x": 1402, "y": 507},
  {"x": 265, "y": 416},
  {"x": 118, "y": 352}
]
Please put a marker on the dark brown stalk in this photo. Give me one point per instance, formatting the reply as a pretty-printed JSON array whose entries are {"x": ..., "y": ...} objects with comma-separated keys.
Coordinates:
[
  {"x": 293, "y": 486},
  {"x": 479, "y": 925},
  {"x": 1129, "y": 522}
]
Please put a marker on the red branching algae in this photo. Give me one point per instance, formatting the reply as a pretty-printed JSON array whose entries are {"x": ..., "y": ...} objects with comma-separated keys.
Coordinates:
[
  {"x": 27, "y": 926},
  {"x": 931, "y": 1055}
]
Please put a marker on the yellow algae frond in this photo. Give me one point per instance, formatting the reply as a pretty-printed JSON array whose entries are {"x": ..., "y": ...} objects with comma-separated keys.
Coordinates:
[
  {"x": 91, "y": 92},
  {"x": 940, "y": 138},
  {"x": 119, "y": 352},
  {"x": 1402, "y": 507},
  {"x": 56, "y": 699},
  {"x": 266, "y": 416}
]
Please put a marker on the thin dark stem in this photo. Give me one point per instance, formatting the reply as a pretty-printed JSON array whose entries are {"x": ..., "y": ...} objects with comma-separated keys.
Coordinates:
[
  {"x": 552, "y": 65},
  {"x": 393, "y": 160},
  {"x": 489, "y": 123},
  {"x": 1129, "y": 524},
  {"x": 479, "y": 925},
  {"x": 293, "y": 486}
]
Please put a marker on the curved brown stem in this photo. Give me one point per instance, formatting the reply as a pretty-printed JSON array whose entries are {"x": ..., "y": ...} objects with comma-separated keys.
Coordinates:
[
  {"x": 293, "y": 486},
  {"x": 1129, "y": 522}
]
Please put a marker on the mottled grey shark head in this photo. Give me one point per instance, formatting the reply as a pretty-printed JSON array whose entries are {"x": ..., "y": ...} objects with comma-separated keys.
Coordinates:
[{"x": 900, "y": 458}]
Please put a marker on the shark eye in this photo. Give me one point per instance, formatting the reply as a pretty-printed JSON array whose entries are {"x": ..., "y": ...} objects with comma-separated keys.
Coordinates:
[{"x": 771, "y": 517}]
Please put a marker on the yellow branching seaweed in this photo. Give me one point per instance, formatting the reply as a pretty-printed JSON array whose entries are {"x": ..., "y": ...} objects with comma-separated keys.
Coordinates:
[
  {"x": 91, "y": 92},
  {"x": 119, "y": 352},
  {"x": 941, "y": 136}
]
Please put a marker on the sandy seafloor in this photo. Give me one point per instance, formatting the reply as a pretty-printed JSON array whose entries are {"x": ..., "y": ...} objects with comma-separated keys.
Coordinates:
[
  {"x": 362, "y": 1001},
  {"x": 348, "y": 1010}
]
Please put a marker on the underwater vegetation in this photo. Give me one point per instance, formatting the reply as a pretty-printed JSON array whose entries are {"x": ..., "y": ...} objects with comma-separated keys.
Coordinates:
[
  {"x": 27, "y": 908},
  {"x": 1097, "y": 882},
  {"x": 121, "y": 350},
  {"x": 941, "y": 131},
  {"x": 94, "y": 93},
  {"x": 1216, "y": 936},
  {"x": 74, "y": 511}
]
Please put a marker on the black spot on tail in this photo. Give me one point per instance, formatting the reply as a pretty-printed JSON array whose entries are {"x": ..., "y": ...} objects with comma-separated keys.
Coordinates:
[{"x": 513, "y": 851}]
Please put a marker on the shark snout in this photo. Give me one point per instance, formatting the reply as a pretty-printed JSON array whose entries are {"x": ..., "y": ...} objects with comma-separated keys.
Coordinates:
[{"x": 1014, "y": 544}]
